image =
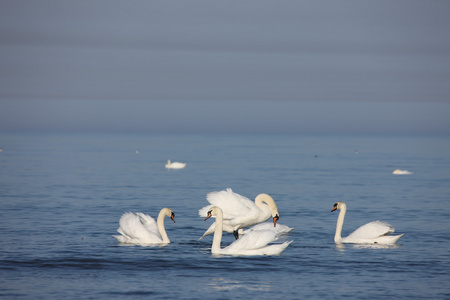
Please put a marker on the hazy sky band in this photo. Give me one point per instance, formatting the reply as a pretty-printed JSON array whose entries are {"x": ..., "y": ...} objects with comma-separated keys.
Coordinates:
[
  {"x": 119, "y": 116},
  {"x": 243, "y": 51}
]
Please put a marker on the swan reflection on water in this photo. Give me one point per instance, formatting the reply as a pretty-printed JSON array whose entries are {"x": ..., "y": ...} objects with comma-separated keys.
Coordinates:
[
  {"x": 342, "y": 247},
  {"x": 223, "y": 284}
]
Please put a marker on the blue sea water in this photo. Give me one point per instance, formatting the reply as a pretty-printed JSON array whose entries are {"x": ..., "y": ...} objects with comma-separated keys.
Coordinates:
[{"x": 61, "y": 197}]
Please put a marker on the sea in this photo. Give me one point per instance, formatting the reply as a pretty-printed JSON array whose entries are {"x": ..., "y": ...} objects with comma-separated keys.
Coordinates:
[{"x": 62, "y": 195}]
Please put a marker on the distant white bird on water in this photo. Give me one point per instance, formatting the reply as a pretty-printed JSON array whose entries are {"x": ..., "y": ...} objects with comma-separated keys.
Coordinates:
[
  {"x": 401, "y": 172},
  {"x": 175, "y": 165}
]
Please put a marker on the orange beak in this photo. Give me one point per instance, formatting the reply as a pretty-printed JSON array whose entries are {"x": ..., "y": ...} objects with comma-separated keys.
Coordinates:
[
  {"x": 275, "y": 219},
  {"x": 172, "y": 216},
  {"x": 208, "y": 216},
  {"x": 334, "y": 208}
]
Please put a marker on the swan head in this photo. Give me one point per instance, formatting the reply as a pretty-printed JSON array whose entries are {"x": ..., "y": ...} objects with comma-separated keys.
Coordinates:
[
  {"x": 271, "y": 203},
  {"x": 208, "y": 215},
  {"x": 214, "y": 211},
  {"x": 339, "y": 205},
  {"x": 169, "y": 213}
]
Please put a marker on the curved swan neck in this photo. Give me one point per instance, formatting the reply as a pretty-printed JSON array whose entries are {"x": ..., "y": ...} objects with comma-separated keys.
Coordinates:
[
  {"x": 264, "y": 198},
  {"x": 160, "y": 224},
  {"x": 215, "y": 248},
  {"x": 340, "y": 223}
]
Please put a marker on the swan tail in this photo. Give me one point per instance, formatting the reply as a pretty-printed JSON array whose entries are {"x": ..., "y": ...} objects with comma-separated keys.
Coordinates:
[
  {"x": 277, "y": 248},
  {"x": 388, "y": 239},
  {"x": 120, "y": 238}
]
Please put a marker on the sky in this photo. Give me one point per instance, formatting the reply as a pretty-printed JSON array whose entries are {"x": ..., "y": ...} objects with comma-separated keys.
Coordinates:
[{"x": 311, "y": 67}]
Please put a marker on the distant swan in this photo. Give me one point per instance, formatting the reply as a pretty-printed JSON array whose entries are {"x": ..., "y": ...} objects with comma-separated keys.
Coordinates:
[
  {"x": 376, "y": 232},
  {"x": 240, "y": 212},
  {"x": 252, "y": 243},
  {"x": 175, "y": 165},
  {"x": 401, "y": 172},
  {"x": 141, "y": 229}
]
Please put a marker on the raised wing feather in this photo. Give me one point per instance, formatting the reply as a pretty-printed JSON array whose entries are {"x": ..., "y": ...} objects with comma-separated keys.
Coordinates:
[
  {"x": 148, "y": 222},
  {"x": 132, "y": 226},
  {"x": 233, "y": 205}
]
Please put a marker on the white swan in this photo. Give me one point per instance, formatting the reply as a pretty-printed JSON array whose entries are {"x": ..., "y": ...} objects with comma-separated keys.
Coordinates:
[
  {"x": 142, "y": 229},
  {"x": 376, "y": 232},
  {"x": 175, "y": 165},
  {"x": 253, "y": 243},
  {"x": 239, "y": 211},
  {"x": 401, "y": 172}
]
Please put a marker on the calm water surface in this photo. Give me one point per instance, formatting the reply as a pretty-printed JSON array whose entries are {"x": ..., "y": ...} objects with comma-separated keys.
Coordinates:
[{"x": 61, "y": 197}]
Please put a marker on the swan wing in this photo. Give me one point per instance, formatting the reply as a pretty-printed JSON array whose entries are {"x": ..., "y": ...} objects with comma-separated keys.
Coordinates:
[
  {"x": 148, "y": 222},
  {"x": 279, "y": 229},
  {"x": 274, "y": 249},
  {"x": 256, "y": 239},
  {"x": 371, "y": 230},
  {"x": 177, "y": 165},
  {"x": 134, "y": 231},
  {"x": 232, "y": 204}
]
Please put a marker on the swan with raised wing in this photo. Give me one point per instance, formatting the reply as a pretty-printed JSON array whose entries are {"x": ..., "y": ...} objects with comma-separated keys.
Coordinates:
[
  {"x": 376, "y": 232},
  {"x": 139, "y": 228},
  {"x": 253, "y": 243},
  {"x": 240, "y": 212}
]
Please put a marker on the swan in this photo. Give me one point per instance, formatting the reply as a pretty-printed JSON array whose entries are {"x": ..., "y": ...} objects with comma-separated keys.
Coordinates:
[
  {"x": 240, "y": 212},
  {"x": 401, "y": 172},
  {"x": 175, "y": 165},
  {"x": 376, "y": 232},
  {"x": 252, "y": 243},
  {"x": 139, "y": 228}
]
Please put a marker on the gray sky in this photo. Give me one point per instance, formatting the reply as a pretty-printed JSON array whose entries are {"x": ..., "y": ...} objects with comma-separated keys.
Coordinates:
[{"x": 225, "y": 66}]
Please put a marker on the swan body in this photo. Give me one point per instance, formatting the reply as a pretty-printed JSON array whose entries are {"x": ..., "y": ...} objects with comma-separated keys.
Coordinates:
[
  {"x": 253, "y": 243},
  {"x": 401, "y": 172},
  {"x": 376, "y": 232},
  {"x": 140, "y": 229},
  {"x": 175, "y": 165},
  {"x": 238, "y": 211},
  {"x": 280, "y": 229}
]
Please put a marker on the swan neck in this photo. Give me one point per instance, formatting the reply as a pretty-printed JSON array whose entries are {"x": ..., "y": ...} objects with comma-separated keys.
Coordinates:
[
  {"x": 263, "y": 201},
  {"x": 217, "y": 233},
  {"x": 340, "y": 222},
  {"x": 161, "y": 228}
]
